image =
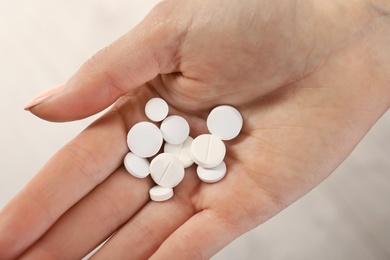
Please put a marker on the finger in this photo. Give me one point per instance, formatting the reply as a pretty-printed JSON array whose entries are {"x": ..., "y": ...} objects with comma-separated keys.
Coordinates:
[
  {"x": 141, "y": 236},
  {"x": 93, "y": 219},
  {"x": 226, "y": 210},
  {"x": 126, "y": 64},
  {"x": 199, "y": 238},
  {"x": 71, "y": 174}
]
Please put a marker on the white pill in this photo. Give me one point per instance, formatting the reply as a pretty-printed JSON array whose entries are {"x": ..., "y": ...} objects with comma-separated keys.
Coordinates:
[
  {"x": 158, "y": 193},
  {"x": 211, "y": 175},
  {"x": 208, "y": 151},
  {"x": 156, "y": 109},
  {"x": 181, "y": 151},
  {"x": 144, "y": 139},
  {"x": 166, "y": 170},
  {"x": 224, "y": 122},
  {"x": 136, "y": 166},
  {"x": 175, "y": 129}
]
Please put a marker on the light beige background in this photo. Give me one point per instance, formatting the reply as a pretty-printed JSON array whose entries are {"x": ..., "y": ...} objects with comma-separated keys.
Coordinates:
[{"x": 42, "y": 42}]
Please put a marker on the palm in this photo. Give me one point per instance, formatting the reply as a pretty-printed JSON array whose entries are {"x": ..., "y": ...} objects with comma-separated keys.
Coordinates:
[
  {"x": 240, "y": 195},
  {"x": 258, "y": 180}
]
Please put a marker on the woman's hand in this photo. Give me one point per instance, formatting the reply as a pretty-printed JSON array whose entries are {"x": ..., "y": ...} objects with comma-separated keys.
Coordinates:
[{"x": 309, "y": 77}]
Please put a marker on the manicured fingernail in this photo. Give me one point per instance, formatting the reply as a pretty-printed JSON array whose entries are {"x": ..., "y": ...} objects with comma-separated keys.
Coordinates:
[{"x": 40, "y": 98}]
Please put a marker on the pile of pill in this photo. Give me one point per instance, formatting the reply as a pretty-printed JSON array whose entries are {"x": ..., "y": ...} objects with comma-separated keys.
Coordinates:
[{"x": 180, "y": 150}]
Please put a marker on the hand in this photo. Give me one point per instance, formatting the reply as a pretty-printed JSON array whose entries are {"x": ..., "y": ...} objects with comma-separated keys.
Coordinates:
[{"x": 309, "y": 79}]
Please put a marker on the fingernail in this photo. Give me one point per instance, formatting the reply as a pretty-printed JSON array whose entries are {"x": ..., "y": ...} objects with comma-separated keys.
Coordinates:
[{"x": 40, "y": 98}]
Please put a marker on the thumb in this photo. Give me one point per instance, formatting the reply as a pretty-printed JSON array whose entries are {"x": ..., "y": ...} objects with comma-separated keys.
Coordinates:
[{"x": 126, "y": 64}]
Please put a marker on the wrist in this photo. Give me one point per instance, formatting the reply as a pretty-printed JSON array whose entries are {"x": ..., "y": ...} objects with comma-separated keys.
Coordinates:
[
  {"x": 380, "y": 44},
  {"x": 363, "y": 36}
]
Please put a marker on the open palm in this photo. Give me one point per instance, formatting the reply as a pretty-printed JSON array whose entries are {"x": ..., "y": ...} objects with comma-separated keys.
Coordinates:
[{"x": 299, "y": 82}]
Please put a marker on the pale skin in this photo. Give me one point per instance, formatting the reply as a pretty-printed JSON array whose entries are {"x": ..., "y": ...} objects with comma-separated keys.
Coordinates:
[{"x": 309, "y": 77}]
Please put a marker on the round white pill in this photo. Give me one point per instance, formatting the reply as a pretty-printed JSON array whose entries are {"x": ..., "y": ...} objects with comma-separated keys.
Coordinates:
[
  {"x": 166, "y": 170},
  {"x": 136, "y": 166},
  {"x": 211, "y": 175},
  {"x": 158, "y": 193},
  {"x": 175, "y": 129},
  {"x": 224, "y": 122},
  {"x": 208, "y": 150},
  {"x": 181, "y": 151},
  {"x": 156, "y": 109},
  {"x": 144, "y": 139}
]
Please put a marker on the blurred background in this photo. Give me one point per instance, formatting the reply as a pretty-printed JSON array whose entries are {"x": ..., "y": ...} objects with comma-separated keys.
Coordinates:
[{"x": 43, "y": 42}]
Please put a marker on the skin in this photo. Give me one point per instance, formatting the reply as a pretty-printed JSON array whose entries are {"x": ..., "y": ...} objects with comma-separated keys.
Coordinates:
[{"x": 309, "y": 77}]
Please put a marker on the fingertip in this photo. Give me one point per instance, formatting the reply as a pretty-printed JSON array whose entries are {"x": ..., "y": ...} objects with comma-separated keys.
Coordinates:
[{"x": 41, "y": 97}]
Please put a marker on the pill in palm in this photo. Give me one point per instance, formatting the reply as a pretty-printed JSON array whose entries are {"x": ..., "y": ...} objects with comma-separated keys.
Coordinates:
[
  {"x": 181, "y": 151},
  {"x": 211, "y": 175},
  {"x": 144, "y": 139},
  {"x": 175, "y": 129},
  {"x": 208, "y": 150},
  {"x": 156, "y": 109},
  {"x": 158, "y": 193},
  {"x": 166, "y": 170},
  {"x": 225, "y": 122},
  {"x": 136, "y": 166}
]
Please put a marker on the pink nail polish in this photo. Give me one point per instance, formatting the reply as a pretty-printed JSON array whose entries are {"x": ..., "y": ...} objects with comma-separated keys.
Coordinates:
[{"x": 40, "y": 98}]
